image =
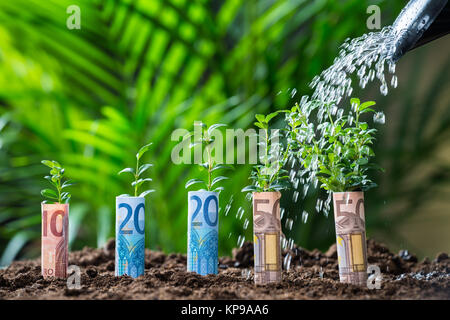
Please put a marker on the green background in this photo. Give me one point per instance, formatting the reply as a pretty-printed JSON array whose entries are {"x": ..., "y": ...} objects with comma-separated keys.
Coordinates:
[{"x": 137, "y": 70}]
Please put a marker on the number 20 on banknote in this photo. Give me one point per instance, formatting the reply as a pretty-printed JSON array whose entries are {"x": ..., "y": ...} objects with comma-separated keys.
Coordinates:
[
  {"x": 203, "y": 221},
  {"x": 130, "y": 236}
]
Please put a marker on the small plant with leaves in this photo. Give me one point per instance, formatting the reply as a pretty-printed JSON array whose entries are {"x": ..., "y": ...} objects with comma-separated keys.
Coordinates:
[
  {"x": 137, "y": 173},
  {"x": 205, "y": 142},
  {"x": 269, "y": 174},
  {"x": 338, "y": 150},
  {"x": 56, "y": 179}
]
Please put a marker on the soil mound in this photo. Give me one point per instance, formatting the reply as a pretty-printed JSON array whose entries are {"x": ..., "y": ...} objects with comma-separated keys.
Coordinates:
[{"x": 311, "y": 275}]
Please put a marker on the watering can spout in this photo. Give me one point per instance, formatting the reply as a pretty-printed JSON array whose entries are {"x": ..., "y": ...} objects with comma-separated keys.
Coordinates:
[{"x": 420, "y": 22}]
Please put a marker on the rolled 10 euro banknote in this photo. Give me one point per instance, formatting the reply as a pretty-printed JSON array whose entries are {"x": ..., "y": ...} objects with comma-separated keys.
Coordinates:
[{"x": 55, "y": 239}]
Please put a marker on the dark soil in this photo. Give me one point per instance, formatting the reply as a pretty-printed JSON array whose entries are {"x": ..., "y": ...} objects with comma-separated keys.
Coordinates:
[{"x": 312, "y": 275}]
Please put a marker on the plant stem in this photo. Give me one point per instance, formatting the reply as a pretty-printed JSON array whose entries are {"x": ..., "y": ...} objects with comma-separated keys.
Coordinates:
[
  {"x": 59, "y": 190},
  {"x": 285, "y": 155},
  {"x": 209, "y": 167},
  {"x": 136, "y": 176},
  {"x": 329, "y": 116},
  {"x": 357, "y": 117},
  {"x": 267, "y": 154}
]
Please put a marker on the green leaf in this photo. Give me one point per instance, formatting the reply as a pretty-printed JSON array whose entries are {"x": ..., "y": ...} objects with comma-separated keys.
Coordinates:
[
  {"x": 65, "y": 195},
  {"x": 143, "y": 150},
  {"x": 270, "y": 116},
  {"x": 192, "y": 182},
  {"x": 217, "y": 179},
  {"x": 362, "y": 161},
  {"x": 366, "y": 105},
  {"x": 67, "y": 183},
  {"x": 331, "y": 156},
  {"x": 222, "y": 167},
  {"x": 130, "y": 170},
  {"x": 261, "y": 118},
  {"x": 250, "y": 188},
  {"x": 325, "y": 171},
  {"x": 56, "y": 164},
  {"x": 48, "y": 163},
  {"x": 15, "y": 244},
  {"x": 355, "y": 101},
  {"x": 144, "y": 167},
  {"x": 367, "y": 110},
  {"x": 139, "y": 182},
  {"x": 49, "y": 193},
  {"x": 50, "y": 179},
  {"x": 146, "y": 192},
  {"x": 260, "y": 125},
  {"x": 277, "y": 187},
  {"x": 65, "y": 200}
]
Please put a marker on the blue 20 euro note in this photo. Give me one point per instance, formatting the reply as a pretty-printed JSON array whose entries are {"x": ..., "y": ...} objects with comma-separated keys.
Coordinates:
[{"x": 203, "y": 221}]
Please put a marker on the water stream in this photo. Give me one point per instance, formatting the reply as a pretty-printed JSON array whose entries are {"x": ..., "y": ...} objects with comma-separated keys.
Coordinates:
[{"x": 365, "y": 59}]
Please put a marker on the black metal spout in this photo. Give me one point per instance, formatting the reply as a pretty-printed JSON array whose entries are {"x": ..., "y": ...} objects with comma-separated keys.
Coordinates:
[{"x": 420, "y": 22}]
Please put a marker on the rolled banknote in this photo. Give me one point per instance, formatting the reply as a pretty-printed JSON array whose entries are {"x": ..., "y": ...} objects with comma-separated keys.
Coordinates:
[
  {"x": 351, "y": 236},
  {"x": 267, "y": 233},
  {"x": 130, "y": 236},
  {"x": 55, "y": 235},
  {"x": 203, "y": 232}
]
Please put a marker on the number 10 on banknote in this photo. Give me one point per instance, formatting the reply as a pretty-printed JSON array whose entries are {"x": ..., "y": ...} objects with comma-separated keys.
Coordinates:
[
  {"x": 130, "y": 236},
  {"x": 203, "y": 221},
  {"x": 55, "y": 236}
]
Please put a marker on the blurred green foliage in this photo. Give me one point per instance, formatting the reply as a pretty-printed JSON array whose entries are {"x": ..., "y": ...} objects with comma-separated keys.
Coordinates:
[{"x": 137, "y": 70}]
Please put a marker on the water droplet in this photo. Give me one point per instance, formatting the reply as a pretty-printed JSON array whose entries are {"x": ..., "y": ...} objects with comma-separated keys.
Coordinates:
[
  {"x": 394, "y": 82},
  {"x": 304, "y": 216},
  {"x": 295, "y": 196},
  {"x": 321, "y": 273},
  {"x": 287, "y": 261},
  {"x": 293, "y": 93},
  {"x": 379, "y": 117},
  {"x": 384, "y": 89},
  {"x": 240, "y": 241}
]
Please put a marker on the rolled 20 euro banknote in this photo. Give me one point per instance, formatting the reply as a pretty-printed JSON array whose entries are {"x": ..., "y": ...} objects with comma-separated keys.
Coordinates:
[
  {"x": 203, "y": 232},
  {"x": 130, "y": 236}
]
